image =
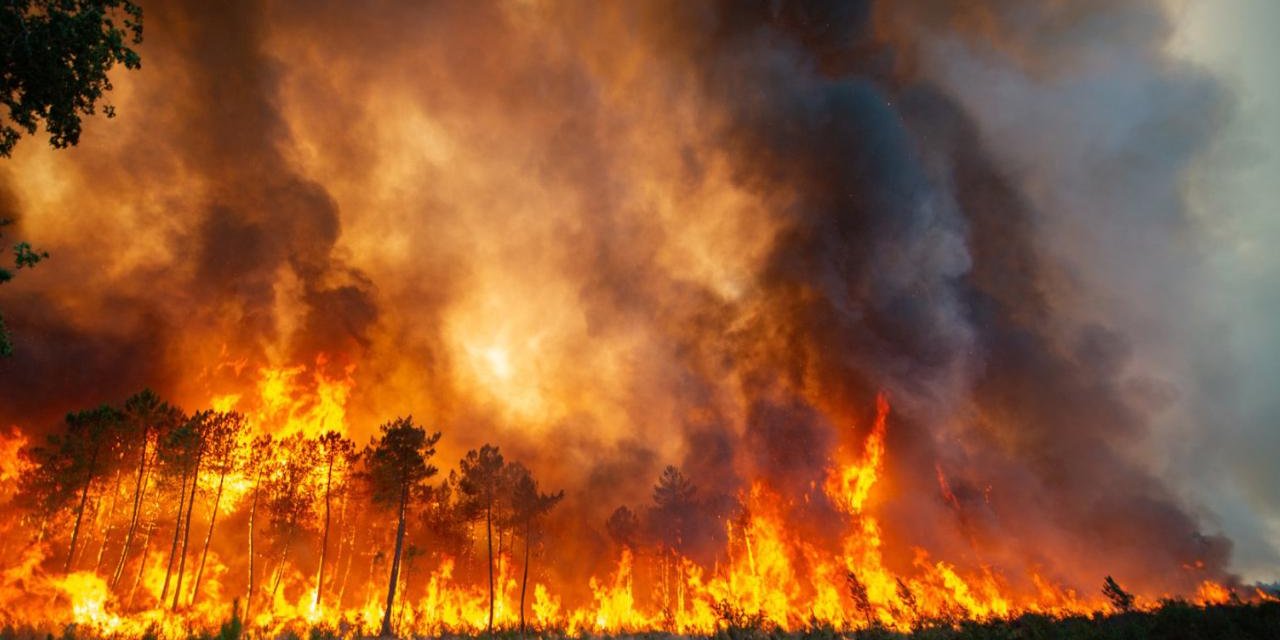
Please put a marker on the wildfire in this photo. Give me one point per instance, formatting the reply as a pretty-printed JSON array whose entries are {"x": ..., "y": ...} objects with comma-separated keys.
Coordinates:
[
  {"x": 12, "y": 466},
  {"x": 767, "y": 574},
  {"x": 294, "y": 399}
]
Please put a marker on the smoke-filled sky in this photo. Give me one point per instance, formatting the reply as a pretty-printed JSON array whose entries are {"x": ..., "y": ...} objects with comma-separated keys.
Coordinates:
[
  {"x": 613, "y": 236},
  {"x": 1234, "y": 191}
]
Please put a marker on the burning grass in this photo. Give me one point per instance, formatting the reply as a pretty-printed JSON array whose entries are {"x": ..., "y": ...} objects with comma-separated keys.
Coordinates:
[{"x": 1172, "y": 619}]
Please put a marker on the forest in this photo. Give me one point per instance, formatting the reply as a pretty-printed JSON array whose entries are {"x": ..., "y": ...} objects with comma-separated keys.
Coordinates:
[
  {"x": 314, "y": 533},
  {"x": 136, "y": 494},
  {"x": 138, "y": 489}
]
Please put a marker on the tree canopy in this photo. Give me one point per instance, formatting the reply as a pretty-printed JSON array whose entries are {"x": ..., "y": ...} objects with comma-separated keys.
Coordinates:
[
  {"x": 56, "y": 56},
  {"x": 54, "y": 59}
]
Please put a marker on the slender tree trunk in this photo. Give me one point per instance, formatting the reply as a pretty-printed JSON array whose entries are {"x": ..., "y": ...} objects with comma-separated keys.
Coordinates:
[
  {"x": 404, "y": 586},
  {"x": 524, "y": 580},
  {"x": 80, "y": 515},
  {"x": 213, "y": 517},
  {"x": 324, "y": 539},
  {"x": 84, "y": 500},
  {"x": 92, "y": 528},
  {"x": 351, "y": 559},
  {"x": 253, "y": 512},
  {"x": 186, "y": 533},
  {"x": 395, "y": 563},
  {"x": 138, "y": 490},
  {"x": 497, "y": 561},
  {"x": 142, "y": 564},
  {"x": 367, "y": 583},
  {"x": 110, "y": 524},
  {"x": 177, "y": 534},
  {"x": 342, "y": 563},
  {"x": 488, "y": 524},
  {"x": 284, "y": 556}
]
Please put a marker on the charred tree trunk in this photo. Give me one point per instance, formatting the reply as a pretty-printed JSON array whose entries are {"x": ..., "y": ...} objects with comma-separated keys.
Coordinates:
[
  {"x": 186, "y": 533},
  {"x": 138, "y": 490},
  {"x": 324, "y": 539},
  {"x": 284, "y": 557},
  {"x": 395, "y": 563},
  {"x": 253, "y": 512},
  {"x": 204, "y": 555},
  {"x": 488, "y": 525},
  {"x": 524, "y": 579},
  {"x": 110, "y": 524},
  {"x": 350, "y": 562},
  {"x": 142, "y": 564},
  {"x": 84, "y": 500},
  {"x": 342, "y": 563},
  {"x": 177, "y": 535},
  {"x": 404, "y": 586},
  {"x": 91, "y": 528},
  {"x": 281, "y": 563}
]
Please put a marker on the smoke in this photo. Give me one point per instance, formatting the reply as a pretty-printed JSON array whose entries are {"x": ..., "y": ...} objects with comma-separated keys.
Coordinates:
[{"x": 614, "y": 237}]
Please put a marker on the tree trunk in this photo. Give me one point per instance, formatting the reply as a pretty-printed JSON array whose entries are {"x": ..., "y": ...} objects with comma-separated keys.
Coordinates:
[
  {"x": 84, "y": 500},
  {"x": 75, "y": 530},
  {"x": 110, "y": 524},
  {"x": 342, "y": 563},
  {"x": 186, "y": 533},
  {"x": 90, "y": 528},
  {"x": 324, "y": 539},
  {"x": 142, "y": 563},
  {"x": 404, "y": 585},
  {"x": 497, "y": 556},
  {"x": 488, "y": 523},
  {"x": 524, "y": 580},
  {"x": 351, "y": 558},
  {"x": 217, "y": 499},
  {"x": 177, "y": 534},
  {"x": 138, "y": 489},
  {"x": 284, "y": 556},
  {"x": 253, "y": 512},
  {"x": 395, "y": 563}
]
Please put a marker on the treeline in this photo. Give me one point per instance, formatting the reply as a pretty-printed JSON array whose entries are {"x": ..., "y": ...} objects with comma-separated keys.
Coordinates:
[{"x": 143, "y": 482}]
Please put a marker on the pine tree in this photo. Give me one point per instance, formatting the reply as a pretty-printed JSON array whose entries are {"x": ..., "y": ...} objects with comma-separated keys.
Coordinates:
[
  {"x": 623, "y": 527},
  {"x": 481, "y": 481},
  {"x": 257, "y": 468},
  {"x": 81, "y": 457},
  {"x": 528, "y": 507},
  {"x": 289, "y": 496},
  {"x": 147, "y": 419},
  {"x": 224, "y": 451},
  {"x": 335, "y": 453},
  {"x": 673, "y": 503},
  {"x": 196, "y": 441},
  {"x": 1120, "y": 599},
  {"x": 397, "y": 471}
]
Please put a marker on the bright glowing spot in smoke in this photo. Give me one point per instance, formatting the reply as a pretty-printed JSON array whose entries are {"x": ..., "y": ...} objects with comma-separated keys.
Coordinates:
[{"x": 498, "y": 361}]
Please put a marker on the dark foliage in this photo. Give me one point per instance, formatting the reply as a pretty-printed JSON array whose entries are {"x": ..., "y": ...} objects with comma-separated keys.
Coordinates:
[
  {"x": 24, "y": 257},
  {"x": 1120, "y": 599},
  {"x": 56, "y": 55}
]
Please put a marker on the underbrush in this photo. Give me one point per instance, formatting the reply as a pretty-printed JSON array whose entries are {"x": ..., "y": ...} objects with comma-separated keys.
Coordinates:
[{"x": 1172, "y": 620}]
